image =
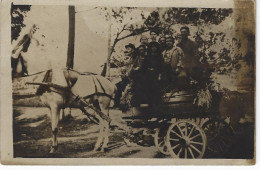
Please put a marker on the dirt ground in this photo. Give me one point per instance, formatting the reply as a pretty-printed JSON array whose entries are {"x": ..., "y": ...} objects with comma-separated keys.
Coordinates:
[{"x": 77, "y": 137}]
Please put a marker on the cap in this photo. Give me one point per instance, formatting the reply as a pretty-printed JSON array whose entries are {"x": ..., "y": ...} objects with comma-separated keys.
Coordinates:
[{"x": 130, "y": 45}]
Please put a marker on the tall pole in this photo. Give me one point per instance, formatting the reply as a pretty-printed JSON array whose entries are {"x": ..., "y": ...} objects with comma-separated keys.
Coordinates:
[
  {"x": 71, "y": 40},
  {"x": 109, "y": 49}
]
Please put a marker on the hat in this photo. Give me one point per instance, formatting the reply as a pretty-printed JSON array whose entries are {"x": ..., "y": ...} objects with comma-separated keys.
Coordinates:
[
  {"x": 141, "y": 46},
  {"x": 130, "y": 45}
]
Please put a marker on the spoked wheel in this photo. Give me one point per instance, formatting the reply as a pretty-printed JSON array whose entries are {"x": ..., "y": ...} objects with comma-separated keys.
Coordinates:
[
  {"x": 219, "y": 135},
  {"x": 160, "y": 140},
  {"x": 185, "y": 139}
]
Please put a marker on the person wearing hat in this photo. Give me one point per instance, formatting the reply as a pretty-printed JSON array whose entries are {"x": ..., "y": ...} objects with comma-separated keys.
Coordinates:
[
  {"x": 130, "y": 54},
  {"x": 130, "y": 50},
  {"x": 191, "y": 61},
  {"x": 172, "y": 64}
]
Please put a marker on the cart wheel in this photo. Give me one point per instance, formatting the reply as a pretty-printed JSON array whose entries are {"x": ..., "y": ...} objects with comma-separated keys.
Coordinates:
[
  {"x": 219, "y": 135},
  {"x": 160, "y": 140},
  {"x": 186, "y": 139}
]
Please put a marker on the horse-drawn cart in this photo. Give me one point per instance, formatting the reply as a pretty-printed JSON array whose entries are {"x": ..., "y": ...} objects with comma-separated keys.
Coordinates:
[{"x": 176, "y": 126}]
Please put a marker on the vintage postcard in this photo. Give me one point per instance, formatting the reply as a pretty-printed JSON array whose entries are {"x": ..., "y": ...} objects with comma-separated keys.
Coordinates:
[{"x": 128, "y": 82}]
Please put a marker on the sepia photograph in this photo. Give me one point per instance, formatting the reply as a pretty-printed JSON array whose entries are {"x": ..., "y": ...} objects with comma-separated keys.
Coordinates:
[{"x": 117, "y": 81}]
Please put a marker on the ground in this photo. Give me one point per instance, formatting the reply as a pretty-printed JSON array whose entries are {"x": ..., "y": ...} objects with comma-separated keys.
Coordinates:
[
  {"x": 32, "y": 137},
  {"x": 77, "y": 137}
]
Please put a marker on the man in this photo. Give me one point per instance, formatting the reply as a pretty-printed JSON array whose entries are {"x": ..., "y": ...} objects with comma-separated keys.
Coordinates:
[
  {"x": 153, "y": 35},
  {"x": 18, "y": 63},
  {"x": 137, "y": 77},
  {"x": 162, "y": 42},
  {"x": 191, "y": 61},
  {"x": 130, "y": 53},
  {"x": 144, "y": 41},
  {"x": 172, "y": 65}
]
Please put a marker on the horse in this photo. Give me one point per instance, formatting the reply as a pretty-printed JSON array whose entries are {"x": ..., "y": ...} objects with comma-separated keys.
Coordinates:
[{"x": 68, "y": 86}]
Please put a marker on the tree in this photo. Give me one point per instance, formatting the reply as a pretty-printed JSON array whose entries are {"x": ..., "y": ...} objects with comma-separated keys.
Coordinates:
[
  {"x": 218, "y": 48},
  {"x": 214, "y": 45},
  {"x": 18, "y": 12},
  {"x": 116, "y": 17}
]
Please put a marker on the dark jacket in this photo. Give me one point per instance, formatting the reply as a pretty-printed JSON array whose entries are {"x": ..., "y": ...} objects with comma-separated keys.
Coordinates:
[{"x": 153, "y": 62}]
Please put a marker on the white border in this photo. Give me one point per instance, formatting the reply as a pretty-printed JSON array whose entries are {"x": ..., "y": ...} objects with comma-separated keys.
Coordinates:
[{"x": 6, "y": 88}]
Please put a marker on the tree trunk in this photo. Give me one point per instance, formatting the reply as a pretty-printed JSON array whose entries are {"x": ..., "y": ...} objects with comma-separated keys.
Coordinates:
[
  {"x": 109, "y": 50},
  {"x": 71, "y": 40}
]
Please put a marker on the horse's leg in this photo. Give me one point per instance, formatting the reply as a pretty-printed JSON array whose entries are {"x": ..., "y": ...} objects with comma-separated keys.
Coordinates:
[
  {"x": 100, "y": 135},
  {"x": 69, "y": 112},
  {"x": 65, "y": 114},
  {"x": 105, "y": 136},
  {"x": 55, "y": 112},
  {"x": 62, "y": 114},
  {"x": 104, "y": 103}
]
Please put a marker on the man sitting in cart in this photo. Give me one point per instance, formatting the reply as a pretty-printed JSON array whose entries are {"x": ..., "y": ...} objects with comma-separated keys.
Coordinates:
[{"x": 130, "y": 53}]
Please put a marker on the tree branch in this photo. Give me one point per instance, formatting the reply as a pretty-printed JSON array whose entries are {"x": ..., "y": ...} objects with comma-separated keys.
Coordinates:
[
  {"x": 116, "y": 39},
  {"x": 124, "y": 28},
  {"x": 129, "y": 35},
  {"x": 132, "y": 34}
]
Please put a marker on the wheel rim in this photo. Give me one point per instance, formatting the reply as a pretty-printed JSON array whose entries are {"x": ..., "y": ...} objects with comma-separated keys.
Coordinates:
[
  {"x": 159, "y": 140},
  {"x": 185, "y": 139},
  {"x": 219, "y": 135}
]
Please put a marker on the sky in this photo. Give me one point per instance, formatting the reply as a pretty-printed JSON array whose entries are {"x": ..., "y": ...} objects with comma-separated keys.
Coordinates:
[
  {"x": 52, "y": 37},
  {"x": 91, "y": 37}
]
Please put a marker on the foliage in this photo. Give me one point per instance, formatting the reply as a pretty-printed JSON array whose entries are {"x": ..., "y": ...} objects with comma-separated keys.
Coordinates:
[
  {"x": 223, "y": 47},
  {"x": 196, "y": 16},
  {"x": 165, "y": 21},
  {"x": 18, "y": 12}
]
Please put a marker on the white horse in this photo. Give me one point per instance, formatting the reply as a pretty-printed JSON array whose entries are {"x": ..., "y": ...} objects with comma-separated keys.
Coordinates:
[{"x": 93, "y": 89}]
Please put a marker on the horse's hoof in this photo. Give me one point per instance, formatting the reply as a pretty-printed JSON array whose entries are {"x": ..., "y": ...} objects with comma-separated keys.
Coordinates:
[
  {"x": 53, "y": 149},
  {"x": 104, "y": 149},
  {"x": 129, "y": 143},
  {"x": 96, "y": 149}
]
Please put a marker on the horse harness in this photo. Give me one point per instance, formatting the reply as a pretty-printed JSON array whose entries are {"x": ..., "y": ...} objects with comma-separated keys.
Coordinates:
[{"x": 67, "y": 93}]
